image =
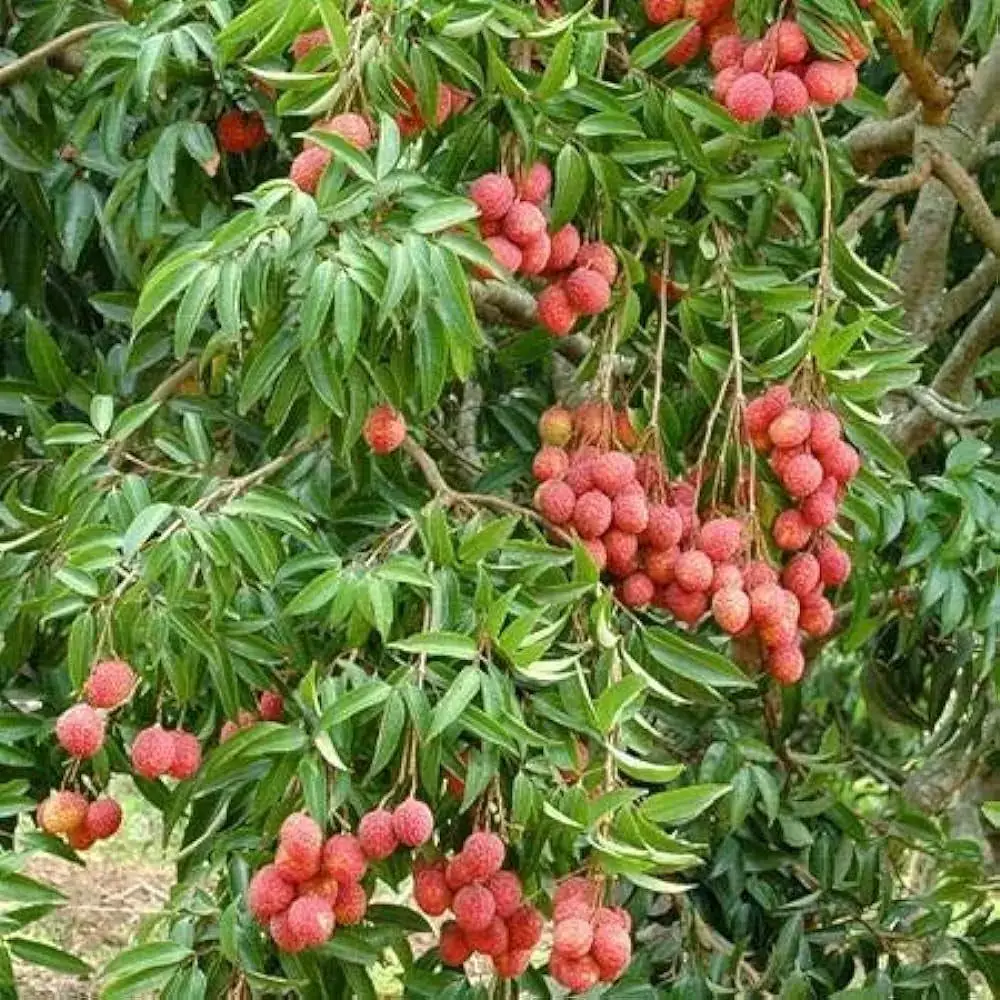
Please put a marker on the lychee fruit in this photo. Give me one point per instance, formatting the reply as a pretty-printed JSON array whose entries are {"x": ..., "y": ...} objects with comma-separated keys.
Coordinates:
[
  {"x": 349, "y": 126},
  {"x": 801, "y": 475},
  {"x": 62, "y": 812},
  {"x": 578, "y": 476},
  {"x": 384, "y": 429},
  {"x": 321, "y": 885},
  {"x": 686, "y": 49},
  {"x": 281, "y": 934},
  {"x": 431, "y": 892},
  {"x": 505, "y": 254},
  {"x": 572, "y": 937},
  {"x": 816, "y": 617},
  {"x": 705, "y": 11},
  {"x": 484, "y": 853},
  {"x": 81, "y": 839},
  {"x": 474, "y": 907},
  {"x": 453, "y": 947},
  {"x": 664, "y": 527},
  {"x": 413, "y": 822},
  {"x": 269, "y": 894},
  {"x": 523, "y": 223},
  {"x": 103, "y": 819},
  {"x": 457, "y": 872},
  {"x": 791, "y": 44},
  {"x": 819, "y": 509},
  {"x": 493, "y": 195},
  {"x": 613, "y": 472},
  {"x": 840, "y": 461},
  {"x": 80, "y": 731},
  {"x": 110, "y": 684},
  {"x": 731, "y": 609},
  {"x": 557, "y": 502},
  {"x": 351, "y": 905},
  {"x": 524, "y": 928},
  {"x": 592, "y": 514},
  {"x": 786, "y": 664},
  {"x": 721, "y": 538},
  {"x": 576, "y": 897},
  {"x": 721, "y": 27},
  {"x": 622, "y": 551},
  {"x": 662, "y": 11},
  {"x": 599, "y": 257},
  {"x": 308, "y": 167},
  {"x": 613, "y": 916},
  {"x": 825, "y": 430},
  {"x": 767, "y": 603},
  {"x": 790, "y": 531},
  {"x": 555, "y": 426},
  {"x": 757, "y": 54},
  {"x": 637, "y": 590},
  {"x": 491, "y": 940},
  {"x": 187, "y": 755},
  {"x": 377, "y": 835},
  {"x": 724, "y": 79},
  {"x": 534, "y": 183},
  {"x": 830, "y": 82},
  {"x": 790, "y": 428},
  {"x": 271, "y": 706},
  {"x": 577, "y": 974},
  {"x": 612, "y": 950},
  {"x": 309, "y": 40},
  {"x": 153, "y": 752},
  {"x": 757, "y": 573},
  {"x": 587, "y": 291},
  {"x": 659, "y": 564},
  {"x": 726, "y": 52},
  {"x": 726, "y": 575},
  {"x": 834, "y": 563},
  {"x": 694, "y": 570},
  {"x": 685, "y": 605},
  {"x": 343, "y": 858},
  {"x": 240, "y": 131},
  {"x": 535, "y": 255},
  {"x": 629, "y": 512},
  {"x": 564, "y": 244},
  {"x": 507, "y": 892},
  {"x": 801, "y": 575},
  {"x": 311, "y": 920},
  {"x": 554, "y": 311},
  {"x": 790, "y": 95},
  {"x": 750, "y": 98},
  {"x": 597, "y": 552},
  {"x": 511, "y": 964}
]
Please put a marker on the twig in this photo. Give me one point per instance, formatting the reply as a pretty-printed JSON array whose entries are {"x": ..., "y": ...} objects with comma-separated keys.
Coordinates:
[
  {"x": 969, "y": 292},
  {"x": 661, "y": 340},
  {"x": 942, "y": 409},
  {"x": 823, "y": 280},
  {"x": 36, "y": 58},
  {"x": 863, "y": 213},
  {"x": 712, "y": 417},
  {"x": 873, "y": 142},
  {"x": 967, "y": 193},
  {"x": 905, "y": 183}
]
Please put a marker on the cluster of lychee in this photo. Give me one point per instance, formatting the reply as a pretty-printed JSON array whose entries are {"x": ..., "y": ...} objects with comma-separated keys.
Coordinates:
[
  {"x": 713, "y": 20},
  {"x": 81, "y": 821},
  {"x": 780, "y": 73},
  {"x": 308, "y": 167},
  {"x": 514, "y": 226},
  {"x": 591, "y": 943},
  {"x": 491, "y": 916},
  {"x": 240, "y": 131},
  {"x": 270, "y": 708},
  {"x": 314, "y": 883}
]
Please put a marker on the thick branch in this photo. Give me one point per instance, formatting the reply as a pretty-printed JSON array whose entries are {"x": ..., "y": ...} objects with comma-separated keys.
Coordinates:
[
  {"x": 505, "y": 305},
  {"x": 873, "y": 142},
  {"x": 932, "y": 90},
  {"x": 36, "y": 58},
  {"x": 863, "y": 213},
  {"x": 966, "y": 191},
  {"x": 905, "y": 183},
  {"x": 969, "y": 292}
]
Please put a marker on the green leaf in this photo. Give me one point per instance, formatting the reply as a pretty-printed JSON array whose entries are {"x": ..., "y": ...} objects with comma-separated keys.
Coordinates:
[
  {"x": 356, "y": 700},
  {"x": 570, "y": 185},
  {"x": 129, "y": 421},
  {"x": 356, "y": 160},
  {"x": 20, "y": 889},
  {"x": 557, "y": 70},
  {"x": 609, "y": 123},
  {"x": 333, "y": 21},
  {"x": 38, "y": 953},
  {"x": 681, "y": 805},
  {"x": 652, "y": 48},
  {"x": 166, "y": 283},
  {"x": 644, "y": 770},
  {"x": 449, "y": 645},
  {"x": 694, "y": 662},
  {"x": 102, "y": 412},
  {"x": 443, "y": 214},
  {"x": 46, "y": 361},
  {"x": 317, "y": 593},
  {"x": 463, "y": 689},
  {"x": 316, "y": 305},
  {"x": 616, "y": 699},
  {"x": 192, "y": 309},
  {"x": 15, "y": 153},
  {"x": 143, "y": 526}
]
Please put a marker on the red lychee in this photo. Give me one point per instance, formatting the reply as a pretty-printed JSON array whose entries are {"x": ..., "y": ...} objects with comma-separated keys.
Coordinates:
[
  {"x": 578, "y": 476},
  {"x": 81, "y": 839},
  {"x": 790, "y": 531},
  {"x": 801, "y": 575},
  {"x": 555, "y": 426},
  {"x": 269, "y": 894},
  {"x": 636, "y": 590},
  {"x": 311, "y": 920},
  {"x": 524, "y": 928},
  {"x": 613, "y": 916},
  {"x": 240, "y": 131},
  {"x": 512, "y": 964},
  {"x": 662, "y": 11},
  {"x": 271, "y": 706},
  {"x": 801, "y": 475},
  {"x": 613, "y": 472},
  {"x": 187, "y": 755},
  {"x": 592, "y": 515},
  {"x": 790, "y": 428},
  {"x": 819, "y": 509},
  {"x": 556, "y": 501},
  {"x": 534, "y": 183},
  {"x": 786, "y": 664},
  {"x": 767, "y": 603},
  {"x": 550, "y": 462},
  {"x": 343, "y": 858},
  {"x": 597, "y": 552},
  {"x": 572, "y": 937},
  {"x": 413, "y": 822},
  {"x": 757, "y": 54},
  {"x": 664, "y": 527},
  {"x": 457, "y": 872},
  {"x": 622, "y": 551},
  {"x": 573, "y": 893},
  {"x": 825, "y": 430},
  {"x": 554, "y": 311},
  {"x": 782, "y": 632},
  {"x": 321, "y": 885},
  {"x": 493, "y": 195},
  {"x": 830, "y": 82},
  {"x": 721, "y": 538},
  {"x": 507, "y": 892},
  {"x": 629, "y": 512},
  {"x": 750, "y": 98},
  {"x": 612, "y": 950},
  {"x": 577, "y": 974},
  {"x": 376, "y": 834},
  {"x": 791, "y": 44},
  {"x": 484, "y": 853},
  {"x": 491, "y": 940},
  {"x": 686, "y": 49},
  {"x": 587, "y": 292},
  {"x": 349, "y": 126},
  {"x": 309, "y": 40},
  {"x": 840, "y": 461},
  {"x": 727, "y": 575},
  {"x": 62, "y": 812},
  {"x": 535, "y": 255},
  {"x": 384, "y": 430},
  {"x": 723, "y": 81},
  {"x": 599, "y": 257},
  {"x": 308, "y": 167},
  {"x": 726, "y": 52},
  {"x": 282, "y": 935},
  {"x": 721, "y": 27},
  {"x": 523, "y": 223},
  {"x": 302, "y": 838},
  {"x": 705, "y": 11},
  {"x": 816, "y": 617},
  {"x": 474, "y": 907},
  {"x": 790, "y": 95},
  {"x": 834, "y": 563},
  {"x": 685, "y": 605},
  {"x": 80, "y": 731},
  {"x": 152, "y": 752},
  {"x": 731, "y": 609},
  {"x": 757, "y": 573},
  {"x": 453, "y": 947},
  {"x": 659, "y": 564},
  {"x": 563, "y": 248},
  {"x": 505, "y": 254},
  {"x": 104, "y": 817},
  {"x": 351, "y": 905},
  {"x": 431, "y": 892},
  {"x": 110, "y": 684},
  {"x": 694, "y": 570}
]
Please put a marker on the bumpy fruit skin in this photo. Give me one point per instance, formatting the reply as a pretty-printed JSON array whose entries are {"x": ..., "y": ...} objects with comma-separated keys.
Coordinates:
[
  {"x": 801, "y": 575},
  {"x": 830, "y": 82},
  {"x": 767, "y": 603},
  {"x": 484, "y": 853},
  {"x": 750, "y": 98},
  {"x": 384, "y": 430},
  {"x": 550, "y": 462},
  {"x": 819, "y": 509},
  {"x": 474, "y": 907},
  {"x": 453, "y": 946},
  {"x": 587, "y": 291},
  {"x": 572, "y": 937},
  {"x": 790, "y": 95},
  {"x": 726, "y": 52},
  {"x": 693, "y": 570},
  {"x": 721, "y": 538},
  {"x": 524, "y": 928},
  {"x": 308, "y": 167},
  {"x": 103, "y": 819},
  {"x": 629, "y": 512},
  {"x": 491, "y": 940},
  {"x": 841, "y": 462},
  {"x": 240, "y": 131},
  {"x": 834, "y": 563},
  {"x": 724, "y": 81},
  {"x": 599, "y": 257},
  {"x": 662, "y": 11},
  {"x": 311, "y": 920},
  {"x": 153, "y": 752},
  {"x": 269, "y": 894},
  {"x": 790, "y": 428},
  {"x": 791, "y": 532},
  {"x": 554, "y": 311},
  {"x": 377, "y": 834},
  {"x": 816, "y": 617},
  {"x": 457, "y": 872},
  {"x": 564, "y": 244},
  {"x": 80, "y": 731},
  {"x": 757, "y": 573},
  {"x": 613, "y": 472},
  {"x": 535, "y": 255},
  {"x": 187, "y": 755},
  {"x": 722, "y": 27},
  {"x": 597, "y": 552},
  {"x": 731, "y": 609},
  {"x": 592, "y": 514},
  {"x": 506, "y": 254},
  {"x": 507, "y": 892},
  {"x": 613, "y": 916},
  {"x": 659, "y": 564},
  {"x": 62, "y": 812},
  {"x": 281, "y": 934},
  {"x": 81, "y": 839},
  {"x": 555, "y": 501},
  {"x": 309, "y": 40},
  {"x": 572, "y": 895},
  {"x": 534, "y": 183},
  {"x": 323, "y": 886},
  {"x": 786, "y": 664},
  {"x": 413, "y": 822},
  {"x": 493, "y": 195},
  {"x": 801, "y": 476},
  {"x": 110, "y": 684},
  {"x": 431, "y": 892},
  {"x": 523, "y": 223},
  {"x": 301, "y": 835},
  {"x": 705, "y": 11},
  {"x": 825, "y": 430},
  {"x": 686, "y": 606},
  {"x": 612, "y": 950},
  {"x": 351, "y": 905},
  {"x": 686, "y": 49},
  {"x": 623, "y": 552},
  {"x": 577, "y": 974},
  {"x": 349, "y": 126},
  {"x": 791, "y": 44},
  {"x": 555, "y": 426},
  {"x": 637, "y": 590},
  {"x": 295, "y": 868},
  {"x": 726, "y": 575},
  {"x": 512, "y": 964},
  {"x": 271, "y": 706},
  {"x": 343, "y": 858},
  {"x": 756, "y": 55},
  {"x": 664, "y": 527}
]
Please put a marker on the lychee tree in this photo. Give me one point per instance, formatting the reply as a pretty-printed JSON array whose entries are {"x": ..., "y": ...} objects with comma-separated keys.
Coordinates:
[{"x": 513, "y": 485}]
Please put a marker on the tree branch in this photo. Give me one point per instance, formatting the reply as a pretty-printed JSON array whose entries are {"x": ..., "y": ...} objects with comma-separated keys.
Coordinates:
[
  {"x": 873, "y": 142},
  {"x": 933, "y": 91},
  {"x": 863, "y": 213},
  {"x": 966, "y": 191},
  {"x": 504, "y": 305},
  {"x": 969, "y": 292},
  {"x": 36, "y": 58},
  {"x": 905, "y": 183}
]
